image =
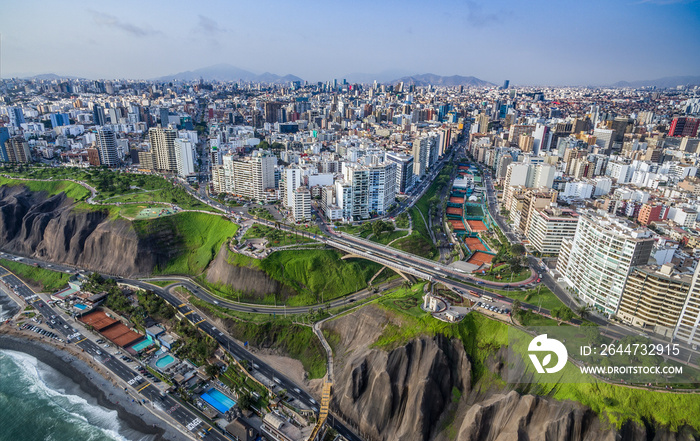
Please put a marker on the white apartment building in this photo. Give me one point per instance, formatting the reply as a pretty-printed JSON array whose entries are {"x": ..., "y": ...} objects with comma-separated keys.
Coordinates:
[
  {"x": 596, "y": 261},
  {"x": 301, "y": 206},
  {"x": 687, "y": 328},
  {"x": 549, "y": 226},
  {"x": 184, "y": 157}
]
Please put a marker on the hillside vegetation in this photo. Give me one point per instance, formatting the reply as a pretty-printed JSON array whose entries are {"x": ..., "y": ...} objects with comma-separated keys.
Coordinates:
[
  {"x": 197, "y": 235},
  {"x": 483, "y": 337}
]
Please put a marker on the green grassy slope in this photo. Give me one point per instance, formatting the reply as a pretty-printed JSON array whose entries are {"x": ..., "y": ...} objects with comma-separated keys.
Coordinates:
[{"x": 201, "y": 234}]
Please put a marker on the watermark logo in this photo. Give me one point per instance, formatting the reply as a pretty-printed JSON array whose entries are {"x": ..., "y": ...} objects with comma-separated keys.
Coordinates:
[{"x": 543, "y": 344}]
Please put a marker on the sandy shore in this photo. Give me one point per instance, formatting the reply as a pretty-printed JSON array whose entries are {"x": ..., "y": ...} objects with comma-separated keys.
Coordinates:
[{"x": 92, "y": 379}]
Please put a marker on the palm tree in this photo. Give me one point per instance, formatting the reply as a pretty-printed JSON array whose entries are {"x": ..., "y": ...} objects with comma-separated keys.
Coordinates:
[{"x": 583, "y": 311}]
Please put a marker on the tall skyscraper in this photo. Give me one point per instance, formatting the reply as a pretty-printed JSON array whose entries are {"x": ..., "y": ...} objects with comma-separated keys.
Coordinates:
[
  {"x": 249, "y": 177},
  {"x": 163, "y": 148},
  {"x": 59, "y": 119},
  {"x": 107, "y": 147}
]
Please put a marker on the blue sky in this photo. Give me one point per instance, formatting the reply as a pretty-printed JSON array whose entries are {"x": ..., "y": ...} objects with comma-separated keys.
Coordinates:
[{"x": 526, "y": 41}]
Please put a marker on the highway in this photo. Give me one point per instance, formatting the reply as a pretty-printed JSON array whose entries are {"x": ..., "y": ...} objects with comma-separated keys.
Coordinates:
[
  {"x": 276, "y": 379},
  {"x": 125, "y": 371}
]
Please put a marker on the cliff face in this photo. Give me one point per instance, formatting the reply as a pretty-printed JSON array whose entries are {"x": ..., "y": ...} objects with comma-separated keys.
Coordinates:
[
  {"x": 401, "y": 394},
  {"x": 50, "y": 229},
  {"x": 251, "y": 281},
  {"x": 422, "y": 391}
]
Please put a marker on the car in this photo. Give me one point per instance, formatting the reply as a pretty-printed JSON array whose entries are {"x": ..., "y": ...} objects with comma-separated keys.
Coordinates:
[
  {"x": 539, "y": 280},
  {"x": 297, "y": 390},
  {"x": 312, "y": 400},
  {"x": 255, "y": 365},
  {"x": 276, "y": 380}
]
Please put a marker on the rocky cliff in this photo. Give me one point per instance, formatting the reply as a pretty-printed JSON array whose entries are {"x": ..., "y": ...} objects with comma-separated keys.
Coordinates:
[
  {"x": 422, "y": 391},
  {"x": 50, "y": 228},
  {"x": 251, "y": 282}
]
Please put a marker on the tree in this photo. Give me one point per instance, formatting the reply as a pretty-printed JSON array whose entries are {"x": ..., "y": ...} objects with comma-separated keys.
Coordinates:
[
  {"x": 517, "y": 249},
  {"x": 515, "y": 264},
  {"x": 245, "y": 400},
  {"x": 583, "y": 311},
  {"x": 516, "y": 306}
]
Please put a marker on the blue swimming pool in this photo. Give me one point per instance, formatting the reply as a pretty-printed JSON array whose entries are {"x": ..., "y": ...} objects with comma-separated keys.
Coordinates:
[
  {"x": 140, "y": 346},
  {"x": 80, "y": 306},
  {"x": 219, "y": 401},
  {"x": 164, "y": 362}
]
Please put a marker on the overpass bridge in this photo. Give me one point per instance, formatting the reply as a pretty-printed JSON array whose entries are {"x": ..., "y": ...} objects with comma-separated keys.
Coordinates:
[{"x": 375, "y": 257}]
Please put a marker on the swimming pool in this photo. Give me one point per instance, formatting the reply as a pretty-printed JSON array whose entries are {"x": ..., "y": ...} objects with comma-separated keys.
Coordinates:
[
  {"x": 219, "y": 401},
  {"x": 140, "y": 346},
  {"x": 164, "y": 362},
  {"x": 80, "y": 306}
]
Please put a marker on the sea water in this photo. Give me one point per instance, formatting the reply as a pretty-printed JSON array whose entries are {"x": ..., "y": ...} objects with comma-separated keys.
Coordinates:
[{"x": 39, "y": 403}]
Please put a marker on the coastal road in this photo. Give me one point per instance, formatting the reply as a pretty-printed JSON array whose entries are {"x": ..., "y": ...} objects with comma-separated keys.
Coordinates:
[{"x": 147, "y": 390}]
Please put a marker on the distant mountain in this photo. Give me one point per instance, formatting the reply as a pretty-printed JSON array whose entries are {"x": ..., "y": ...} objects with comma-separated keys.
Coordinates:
[
  {"x": 50, "y": 76},
  {"x": 384, "y": 76},
  {"x": 227, "y": 72},
  {"x": 437, "y": 80},
  {"x": 662, "y": 83}
]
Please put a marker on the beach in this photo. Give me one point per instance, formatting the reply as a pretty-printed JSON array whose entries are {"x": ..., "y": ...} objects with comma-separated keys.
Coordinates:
[{"x": 94, "y": 380}]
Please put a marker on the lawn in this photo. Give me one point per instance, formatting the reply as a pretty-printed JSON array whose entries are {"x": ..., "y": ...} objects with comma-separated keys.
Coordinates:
[
  {"x": 483, "y": 337},
  {"x": 504, "y": 272},
  {"x": 540, "y": 296},
  {"x": 318, "y": 275},
  {"x": 72, "y": 190},
  {"x": 198, "y": 236},
  {"x": 50, "y": 281},
  {"x": 261, "y": 212},
  {"x": 386, "y": 237},
  {"x": 402, "y": 220},
  {"x": 275, "y": 236},
  {"x": 417, "y": 244}
]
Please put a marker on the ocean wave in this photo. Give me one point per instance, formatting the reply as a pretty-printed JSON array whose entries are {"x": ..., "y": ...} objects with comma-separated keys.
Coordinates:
[{"x": 41, "y": 381}]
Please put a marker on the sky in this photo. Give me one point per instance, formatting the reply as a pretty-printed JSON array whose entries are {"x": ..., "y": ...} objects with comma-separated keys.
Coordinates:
[{"x": 530, "y": 42}]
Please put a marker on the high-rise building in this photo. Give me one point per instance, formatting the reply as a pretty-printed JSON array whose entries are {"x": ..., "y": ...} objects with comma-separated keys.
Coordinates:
[
  {"x": 184, "y": 157},
  {"x": 357, "y": 177},
  {"x": 291, "y": 180},
  {"x": 98, "y": 115},
  {"x": 18, "y": 150},
  {"x": 684, "y": 126},
  {"x": 404, "y": 170},
  {"x": 687, "y": 327},
  {"x": 59, "y": 119},
  {"x": 301, "y": 206},
  {"x": 163, "y": 148},
  {"x": 595, "y": 263},
  {"x": 250, "y": 177},
  {"x": 549, "y": 226},
  {"x": 16, "y": 116},
  {"x": 272, "y": 112},
  {"x": 425, "y": 151},
  {"x": 653, "y": 298},
  {"x": 93, "y": 157},
  {"x": 107, "y": 147},
  {"x": 382, "y": 187},
  {"x": 4, "y": 136}
]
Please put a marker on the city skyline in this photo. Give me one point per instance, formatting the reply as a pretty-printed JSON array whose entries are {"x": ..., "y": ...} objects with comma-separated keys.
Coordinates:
[{"x": 537, "y": 43}]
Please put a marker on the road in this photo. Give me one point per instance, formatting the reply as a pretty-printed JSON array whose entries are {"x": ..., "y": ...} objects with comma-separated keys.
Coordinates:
[
  {"x": 276, "y": 379},
  {"x": 125, "y": 371}
]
